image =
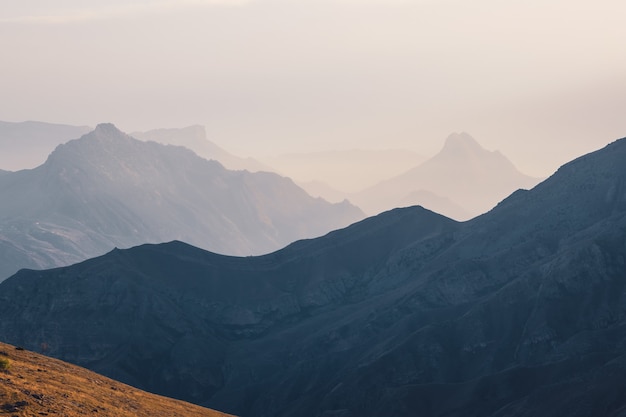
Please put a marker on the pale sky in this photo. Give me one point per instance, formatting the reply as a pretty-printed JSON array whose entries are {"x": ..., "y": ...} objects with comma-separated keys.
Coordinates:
[{"x": 543, "y": 81}]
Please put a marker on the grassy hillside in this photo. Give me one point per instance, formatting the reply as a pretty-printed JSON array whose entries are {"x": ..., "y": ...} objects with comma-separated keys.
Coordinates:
[{"x": 34, "y": 384}]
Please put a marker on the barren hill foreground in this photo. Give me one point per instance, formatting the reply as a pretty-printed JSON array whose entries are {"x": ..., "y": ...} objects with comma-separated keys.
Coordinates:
[{"x": 35, "y": 384}]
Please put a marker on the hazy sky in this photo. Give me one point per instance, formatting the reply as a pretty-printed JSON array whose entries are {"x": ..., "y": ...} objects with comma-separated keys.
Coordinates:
[{"x": 543, "y": 81}]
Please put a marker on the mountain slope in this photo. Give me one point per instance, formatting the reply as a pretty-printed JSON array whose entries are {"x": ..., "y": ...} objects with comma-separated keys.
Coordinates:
[
  {"x": 27, "y": 144},
  {"x": 203, "y": 313},
  {"x": 463, "y": 172},
  {"x": 323, "y": 190},
  {"x": 194, "y": 138},
  {"x": 37, "y": 385},
  {"x": 108, "y": 190},
  {"x": 517, "y": 312}
]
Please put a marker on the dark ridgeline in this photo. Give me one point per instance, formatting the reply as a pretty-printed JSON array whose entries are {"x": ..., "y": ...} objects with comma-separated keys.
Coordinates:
[
  {"x": 109, "y": 190},
  {"x": 519, "y": 312}
]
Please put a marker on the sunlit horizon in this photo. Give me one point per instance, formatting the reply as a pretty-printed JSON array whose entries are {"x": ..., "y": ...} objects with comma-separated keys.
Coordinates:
[{"x": 541, "y": 82}]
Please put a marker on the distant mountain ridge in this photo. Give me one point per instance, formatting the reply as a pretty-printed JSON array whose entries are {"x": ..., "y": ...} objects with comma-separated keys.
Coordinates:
[
  {"x": 108, "y": 190},
  {"x": 472, "y": 179},
  {"x": 26, "y": 145},
  {"x": 518, "y": 312},
  {"x": 195, "y": 138}
]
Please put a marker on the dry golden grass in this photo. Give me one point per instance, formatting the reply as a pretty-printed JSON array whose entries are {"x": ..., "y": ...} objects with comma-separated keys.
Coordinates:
[{"x": 35, "y": 385}]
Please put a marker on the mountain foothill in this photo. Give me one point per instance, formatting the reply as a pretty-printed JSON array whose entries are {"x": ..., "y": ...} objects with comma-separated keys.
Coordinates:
[
  {"x": 517, "y": 312},
  {"x": 107, "y": 189}
]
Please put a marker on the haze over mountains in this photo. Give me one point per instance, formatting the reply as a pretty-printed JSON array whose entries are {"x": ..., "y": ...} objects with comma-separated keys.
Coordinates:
[
  {"x": 28, "y": 144},
  {"x": 109, "y": 190},
  {"x": 195, "y": 138},
  {"x": 519, "y": 312},
  {"x": 462, "y": 181},
  {"x": 345, "y": 171}
]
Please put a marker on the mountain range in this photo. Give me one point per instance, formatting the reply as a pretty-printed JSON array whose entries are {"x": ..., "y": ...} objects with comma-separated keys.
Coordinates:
[
  {"x": 27, "y": 144},
  {"x": 462, "y": 181},
  {"x": 109, "y": 190},
  {"x": 518, "y": 312}
]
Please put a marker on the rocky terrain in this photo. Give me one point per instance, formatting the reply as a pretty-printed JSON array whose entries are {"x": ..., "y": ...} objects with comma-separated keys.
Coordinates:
[
  {"x": 32, "y": 384},
  {"x": 518, "y": 312},
  {"x": 108, "y": 190}
]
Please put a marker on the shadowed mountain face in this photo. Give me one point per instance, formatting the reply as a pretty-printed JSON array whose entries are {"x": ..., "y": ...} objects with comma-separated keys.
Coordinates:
[
  {"x": 28, "y": 144},
  {"x": 462, "y": 181},
  {"x": 194, "y": 138},
  {"x": 519, "y": 312},
  {"x": 109, "y": 190}
]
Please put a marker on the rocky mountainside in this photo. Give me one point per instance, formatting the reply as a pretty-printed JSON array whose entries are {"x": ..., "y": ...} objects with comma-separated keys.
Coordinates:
[
  {"x": 195, "y": 138},
  {"x": 518, "y": 312},
  {"x": 36, "y": 385},
  {"x": 27, "y": 144},
  {"x": 465, "y": 179},
  {"x": 109, "y": 190}
]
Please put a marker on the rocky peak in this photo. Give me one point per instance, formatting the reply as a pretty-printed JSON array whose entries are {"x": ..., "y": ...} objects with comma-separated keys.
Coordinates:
[
  {"x": 460, "y": 144},
  {"x": 107, "y": 128}
]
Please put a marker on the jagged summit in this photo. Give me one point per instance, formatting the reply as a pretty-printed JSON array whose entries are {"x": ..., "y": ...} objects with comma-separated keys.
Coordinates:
[
  {"x": 103, "y": 133},
  {"x": 108, "y": 154},
  {"x": 461, "y": 141},
  {"x": 107, "y": 131},
  {"x": 463, "y": 172},
  {"x": 107, "y": 128}
]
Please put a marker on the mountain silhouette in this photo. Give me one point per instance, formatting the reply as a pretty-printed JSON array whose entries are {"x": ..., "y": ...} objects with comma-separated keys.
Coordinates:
[
  {"x": 518, "y": 312},
  {"x": 472, "y": 179},
  {"x": 436, "y": 203},
  {"x": 109, "y": 190}
]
